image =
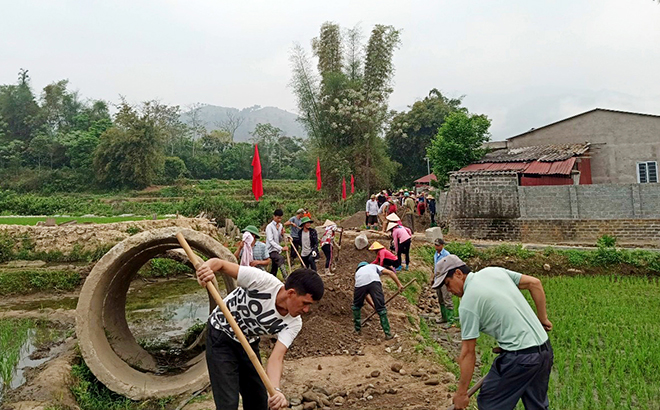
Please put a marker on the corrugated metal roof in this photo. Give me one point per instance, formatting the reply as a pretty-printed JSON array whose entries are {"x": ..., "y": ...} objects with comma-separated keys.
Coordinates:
[
  {"x": 542, "y": 153},
  {"x": 462, "y": 173},
  {"x": 495, "y": 166},
  {"x": 550, "y": 168},
  {"x": 426, "y": 179}
]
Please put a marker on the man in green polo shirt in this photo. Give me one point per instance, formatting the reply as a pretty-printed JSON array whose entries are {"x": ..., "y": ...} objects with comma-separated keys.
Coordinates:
[{"x": 491, "y": 302}]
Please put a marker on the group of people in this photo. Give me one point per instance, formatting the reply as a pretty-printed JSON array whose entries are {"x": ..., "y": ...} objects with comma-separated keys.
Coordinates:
[
  {"x": 303, "y": 241},
  {"x": 491, "y": 302},
  {"x": 405, "y": 203}
]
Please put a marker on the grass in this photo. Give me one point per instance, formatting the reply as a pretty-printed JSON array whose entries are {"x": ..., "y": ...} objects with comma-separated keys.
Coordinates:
[
  {"x": 163, "y": 268},
  {"x": 411, "y": 293},
  {"x": 13, "y": 248},
  {"x": 24, "y": 281},
  {"x": 13, "y": 335},
  {"x": 91, "y": 394},
  {"x": 32, "y": 220}
]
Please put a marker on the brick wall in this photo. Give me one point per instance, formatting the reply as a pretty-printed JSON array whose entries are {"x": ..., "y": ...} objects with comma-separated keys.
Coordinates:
[
  {"x": 589, "y": 230},
  {"x": 486, "y": 228},
  {"x": 484, "y": 196}
]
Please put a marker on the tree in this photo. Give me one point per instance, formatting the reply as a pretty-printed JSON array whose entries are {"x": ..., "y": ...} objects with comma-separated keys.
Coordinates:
[
  {"x": 231, "y": 124},
  {"x": 130, "y": 154},
  {"x": 458, "y": 143},
  {"x": 344, "y": 103},
  {"x": 410, "y": 134},
  {"x": 19, "y": 112},
  {"x": 197, "y": 128}
]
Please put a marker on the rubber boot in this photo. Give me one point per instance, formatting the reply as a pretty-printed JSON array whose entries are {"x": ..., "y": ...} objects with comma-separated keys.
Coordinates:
[
  {"x": 450, "y": 316},
  {"x": 445, "y": 313},
  {"x": 357, "y": 321},
  {"x": 385, "y": 323}
]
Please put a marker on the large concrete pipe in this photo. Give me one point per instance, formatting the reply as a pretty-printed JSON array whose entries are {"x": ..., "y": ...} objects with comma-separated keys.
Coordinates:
[{"x": 106, "y": 342}]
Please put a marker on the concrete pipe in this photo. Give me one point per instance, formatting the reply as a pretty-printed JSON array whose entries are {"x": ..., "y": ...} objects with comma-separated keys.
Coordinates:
[{"x": 106, "y": 342}]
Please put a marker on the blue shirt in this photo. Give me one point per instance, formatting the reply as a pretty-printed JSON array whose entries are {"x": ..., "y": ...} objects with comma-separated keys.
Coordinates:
[
  {"x": 438, "y": 256},
  {"x": 295, "y": 231}
]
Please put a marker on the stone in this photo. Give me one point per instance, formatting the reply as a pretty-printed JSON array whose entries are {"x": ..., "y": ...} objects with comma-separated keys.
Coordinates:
[
  {"x": 396, "y": 367},
  {"x": 310, "y": 405},
  {"x": 433, "y": 371},
  {"x": 392, "y": 391},
  {"x": 403, "y": 372},
  {"x": 25, "y": 264},
  {"x": 546, "y": 267},
  {"x": 338, "y": 401},
  {"x": 295, "y": 401},
  {"x": 361, "y": 241},
  {"x": 417, "y": 373},
  {"x": 375, "y": 373},
  {"x": 433, "y": 233},
  {"x": 320, "y": 367},
  {"x": 298, "y": 407},
  {"x": 310, "y": 396}
]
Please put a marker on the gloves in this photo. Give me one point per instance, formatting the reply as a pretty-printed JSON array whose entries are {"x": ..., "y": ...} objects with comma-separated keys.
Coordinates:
[{"x": 314, "y": 254}]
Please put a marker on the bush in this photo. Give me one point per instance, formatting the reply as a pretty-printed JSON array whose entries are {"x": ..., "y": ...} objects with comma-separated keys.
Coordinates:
[
  {"x": 173, "y": 169},
  {"x": 464, "y": 251}
]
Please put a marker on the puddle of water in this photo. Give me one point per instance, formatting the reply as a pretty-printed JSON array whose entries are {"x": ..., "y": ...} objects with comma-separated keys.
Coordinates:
[
  {"x": 34, "y": 335},
  {"x": 164, "y": 311}
]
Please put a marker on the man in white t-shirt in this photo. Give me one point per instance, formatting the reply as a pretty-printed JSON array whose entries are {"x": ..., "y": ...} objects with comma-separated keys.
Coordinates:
[
  {"x": 367, "y": 283},
  {"x": 261, "y": 305}
]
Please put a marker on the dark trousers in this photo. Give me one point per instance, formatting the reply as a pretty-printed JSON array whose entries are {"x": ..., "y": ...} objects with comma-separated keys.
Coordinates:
[
  {"x": 276, "y": 260},
  {"x": 297, "y": 243},
  {"x": 518, "y": 375},
  {"x": 309, "y": 262},
  {"x": 327, "y": 251},
  {"x": 375, "y": 289},
  {"x": 432, "y": 218},
  {"x": 231, "y": 372},
  {"x": 391, "y": 264},
  {"x": 404, "y": 248}
]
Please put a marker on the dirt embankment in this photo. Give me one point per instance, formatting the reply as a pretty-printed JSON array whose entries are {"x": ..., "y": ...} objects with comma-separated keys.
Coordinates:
[{"x": 88, "y": 237}]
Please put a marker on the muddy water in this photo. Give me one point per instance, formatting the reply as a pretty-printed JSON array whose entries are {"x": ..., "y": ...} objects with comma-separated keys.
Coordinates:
[{"x": 161, "y": 313}]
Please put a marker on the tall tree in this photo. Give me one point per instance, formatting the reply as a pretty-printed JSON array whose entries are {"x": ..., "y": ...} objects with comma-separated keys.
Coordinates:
[
  {"x": 19, "y": 112},
  {"x": 130, "y": 154},
  {"x": 344, "y": 103},
  {"x": 232, "y": 123},
  {"x": 458, "y": 143},
  {"x": 410, "y": 134}
]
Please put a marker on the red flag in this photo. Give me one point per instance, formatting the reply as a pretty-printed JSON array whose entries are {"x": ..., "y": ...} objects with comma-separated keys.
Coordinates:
[
  {"x": 257, "y": 185},
  {"x": 343, "y": 188},
  {"x": 318, "y": 174},
  {"x": 352, "y": 184}
]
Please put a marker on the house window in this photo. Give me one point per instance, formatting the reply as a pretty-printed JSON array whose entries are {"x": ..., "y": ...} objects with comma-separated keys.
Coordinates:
[{"x": 647, "y": 172}]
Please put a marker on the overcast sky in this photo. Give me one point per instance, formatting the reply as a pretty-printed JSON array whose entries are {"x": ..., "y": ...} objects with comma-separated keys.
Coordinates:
[{"x": 523, "y": 63}]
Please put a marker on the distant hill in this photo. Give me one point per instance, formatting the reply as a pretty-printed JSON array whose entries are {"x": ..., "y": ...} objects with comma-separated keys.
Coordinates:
[{"x": 212, "y": 115}]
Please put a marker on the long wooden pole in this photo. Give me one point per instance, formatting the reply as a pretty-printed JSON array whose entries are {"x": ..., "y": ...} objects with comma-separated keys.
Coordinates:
[
  {"x": 288, "y": 259},
  {"x": 230, "y": 319},
  {"x": 472, "y": 390},
  {"x": 388, "y": 300},
  {"x": 296, "y": 250}
]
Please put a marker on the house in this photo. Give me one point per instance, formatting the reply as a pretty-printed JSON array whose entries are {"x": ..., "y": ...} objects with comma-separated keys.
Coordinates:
[
  {"x": 424, "y": 182},
  {"x": 535, "y": 165},
  {"x": 624, "y": 147}
]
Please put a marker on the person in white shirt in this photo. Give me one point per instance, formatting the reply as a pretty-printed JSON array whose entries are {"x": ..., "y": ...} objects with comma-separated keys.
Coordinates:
[
  {"x": 372, "y": 213},
  {"x": 261, "y": 305},
  {"x": 275, "y": 235},
  {"x": 367, "y": 283}
]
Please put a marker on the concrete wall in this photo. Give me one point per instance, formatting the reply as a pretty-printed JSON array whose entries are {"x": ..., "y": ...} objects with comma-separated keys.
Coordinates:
[
  {"x": 618, "y": 141},
  {"x": 554, "y": 214},
  {"x": 492, "y": 196},
  {"x": 616, "y": 201}
]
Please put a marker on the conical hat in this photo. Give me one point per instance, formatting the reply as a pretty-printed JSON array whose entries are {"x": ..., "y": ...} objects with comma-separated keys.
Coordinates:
[
  {"x": 375, "y": 246},
  {"x": 391, "y": 225},
  {"x": 328, "y": 223},
  {"x": 393, "y": 217}
]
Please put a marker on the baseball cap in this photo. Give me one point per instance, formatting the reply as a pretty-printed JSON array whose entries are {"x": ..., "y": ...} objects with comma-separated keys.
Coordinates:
[
  {"x": 444, "y": 265},
  {"x": 439, "y": 241},
  {"x": 300, "y": 211},
  {"x": 361, "y": 264}
]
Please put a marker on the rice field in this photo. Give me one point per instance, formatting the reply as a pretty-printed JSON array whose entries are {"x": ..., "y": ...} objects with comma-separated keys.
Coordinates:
[{"x": 606, "y": 341}]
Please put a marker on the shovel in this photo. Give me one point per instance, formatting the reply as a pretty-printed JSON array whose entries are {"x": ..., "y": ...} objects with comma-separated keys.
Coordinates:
[
  {"x": 296, "y": 250},
  {"x": 388, "y": 300},
  {"x": 230, "y": 319}
]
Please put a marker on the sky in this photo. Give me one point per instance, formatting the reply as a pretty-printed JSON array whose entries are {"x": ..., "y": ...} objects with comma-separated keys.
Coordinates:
[{"x": 523, "y": 63}]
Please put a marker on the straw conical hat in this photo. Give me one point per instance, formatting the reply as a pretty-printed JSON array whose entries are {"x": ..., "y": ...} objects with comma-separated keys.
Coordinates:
[
  {"x": 376, "y": 246},
  {"x": 328, "y": 223},
  {"x": 393, "y": 217},
  {"x": 391, "y": 225}
]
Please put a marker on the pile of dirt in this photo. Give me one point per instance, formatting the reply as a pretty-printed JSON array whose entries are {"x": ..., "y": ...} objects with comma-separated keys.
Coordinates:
[
  {"x": 357, "y": 220},
  {"x": 328, "y": 328}
]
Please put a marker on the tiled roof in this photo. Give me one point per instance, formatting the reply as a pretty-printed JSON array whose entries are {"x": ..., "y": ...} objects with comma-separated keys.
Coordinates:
[
  {"x": 541, "y": 153},
  {"x": 426, "y": 179},
  {"x": 461, "y": 173}
]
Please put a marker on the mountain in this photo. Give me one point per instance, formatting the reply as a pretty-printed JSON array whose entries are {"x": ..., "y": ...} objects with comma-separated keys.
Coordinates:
[{"x": 212, "y": 115}]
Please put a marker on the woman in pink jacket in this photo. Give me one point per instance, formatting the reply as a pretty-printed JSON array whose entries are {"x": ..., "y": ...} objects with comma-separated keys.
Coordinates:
[
  {"x": 384, "y": 257},
  {"x": 401, "y": 236}
]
